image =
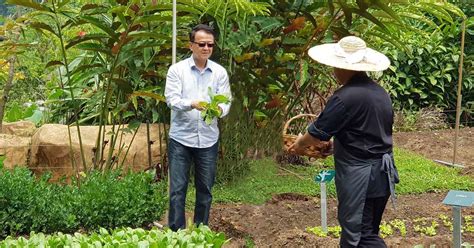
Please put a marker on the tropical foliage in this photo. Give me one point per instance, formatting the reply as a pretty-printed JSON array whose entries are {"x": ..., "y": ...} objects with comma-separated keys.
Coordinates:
[{"x": 109, "y": 61}]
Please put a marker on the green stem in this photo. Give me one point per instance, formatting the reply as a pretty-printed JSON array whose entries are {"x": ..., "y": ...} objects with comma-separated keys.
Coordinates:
[{"x": 66, "y": 65}]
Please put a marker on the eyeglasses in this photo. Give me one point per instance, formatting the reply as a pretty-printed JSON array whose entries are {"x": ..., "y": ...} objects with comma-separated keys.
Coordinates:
[{"x": 210, "y": 45}]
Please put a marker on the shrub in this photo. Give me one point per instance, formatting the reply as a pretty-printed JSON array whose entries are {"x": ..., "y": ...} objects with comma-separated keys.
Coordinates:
[
  {"x": 109, "y": 201},
  {"x": 102, "y": 200}
]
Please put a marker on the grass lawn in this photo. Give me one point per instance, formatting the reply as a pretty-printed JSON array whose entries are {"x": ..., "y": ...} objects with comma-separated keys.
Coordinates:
[{"x": 417, "y": 175}]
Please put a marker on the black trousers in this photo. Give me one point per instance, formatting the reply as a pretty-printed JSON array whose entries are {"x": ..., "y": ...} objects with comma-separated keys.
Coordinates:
[
  {"x": 373, "y": 211},
  {"x": 371, "y": 218}
]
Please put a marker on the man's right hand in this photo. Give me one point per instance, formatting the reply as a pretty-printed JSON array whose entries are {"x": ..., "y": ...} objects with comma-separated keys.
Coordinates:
[{"x": 197, "y": 105}]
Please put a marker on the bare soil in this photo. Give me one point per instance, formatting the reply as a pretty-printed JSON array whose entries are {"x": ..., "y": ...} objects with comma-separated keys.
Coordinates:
[{"x": 282, "y": 221}]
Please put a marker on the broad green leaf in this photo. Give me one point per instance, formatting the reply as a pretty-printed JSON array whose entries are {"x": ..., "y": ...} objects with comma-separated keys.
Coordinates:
[
  {"x": 78, "y": 39},
  {"x": 43, "y": 26},
  {"x": 53, "y": 63},
  {"x": 36, "y": 117},
  {"x": 387, "y": 9},
  {"x": 87, "y": 68},
  {"x": 134, "y": 124},
  {"x": 149, "y": 94},
  {"x": 94, "y": 47},
  {"x": 146, "y": 34},
  {"x": 220, "y": 99},
  {"x": 63, "y": 3},
  {"x": 29, "y": 4},
  {"x": 56, "y": 94},
  {"x": 118, "y": 9},
  {"x": 102, "y": 24},
  {"x": 417, "y": 17},
  {"x": 370, "y": 17},
  {"x": 153, "y": 19},
  {"x": 123, "y": 85}
]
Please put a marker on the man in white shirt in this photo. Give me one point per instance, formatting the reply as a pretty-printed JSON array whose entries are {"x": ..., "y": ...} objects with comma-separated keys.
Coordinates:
[{"x": 191, "y": 138}]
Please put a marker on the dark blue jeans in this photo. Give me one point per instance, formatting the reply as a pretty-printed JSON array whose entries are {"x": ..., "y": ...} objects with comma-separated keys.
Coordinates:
[{"x": 180, "y": 159}]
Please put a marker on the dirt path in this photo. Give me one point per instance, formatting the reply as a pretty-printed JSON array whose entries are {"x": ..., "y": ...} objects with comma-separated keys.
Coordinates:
[{"x": 281, "y": 222}]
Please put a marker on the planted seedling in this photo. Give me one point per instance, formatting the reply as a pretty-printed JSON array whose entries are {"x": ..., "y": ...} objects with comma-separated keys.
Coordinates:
[
  {"x": 385, "y": 229},
  {"x": 212, "y": 109},
  {"x": 400, "y": 225},
  {"x": 421, "y": 226},
  {"x": 317, "y": 230},
  {"x": 468, "y": 224},
  {"x": 333, "y": 231},
  {"x": 446, "y": 221}
]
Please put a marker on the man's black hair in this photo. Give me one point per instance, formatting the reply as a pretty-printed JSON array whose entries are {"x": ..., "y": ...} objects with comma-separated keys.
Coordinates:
[{"x": 202, "y": 27}]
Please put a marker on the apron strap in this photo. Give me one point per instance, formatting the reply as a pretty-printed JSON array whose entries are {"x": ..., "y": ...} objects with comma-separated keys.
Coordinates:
[{"x": 388, "y": 168}]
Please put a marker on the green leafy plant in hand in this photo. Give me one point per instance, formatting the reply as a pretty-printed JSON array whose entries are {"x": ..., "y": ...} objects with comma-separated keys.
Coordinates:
[{"x": 212, "y": 109}]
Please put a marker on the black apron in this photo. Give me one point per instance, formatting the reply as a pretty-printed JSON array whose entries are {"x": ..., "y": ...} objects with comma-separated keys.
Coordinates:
[{"x": 356, "y": 180}]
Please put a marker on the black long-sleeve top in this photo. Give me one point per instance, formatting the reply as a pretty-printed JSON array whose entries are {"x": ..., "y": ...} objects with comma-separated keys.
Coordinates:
[{"x": 360, "y": 116}]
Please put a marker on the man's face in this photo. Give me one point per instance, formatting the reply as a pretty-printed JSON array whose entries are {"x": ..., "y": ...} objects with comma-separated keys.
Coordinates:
[{"x": 202, "y": 45}]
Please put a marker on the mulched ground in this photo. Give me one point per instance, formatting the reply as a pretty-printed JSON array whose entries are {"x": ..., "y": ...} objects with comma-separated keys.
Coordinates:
[{"x": 281, "y": 222}]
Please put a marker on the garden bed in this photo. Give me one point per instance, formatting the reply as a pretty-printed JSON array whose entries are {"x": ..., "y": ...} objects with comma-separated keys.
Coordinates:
[
  {"x": 439, "y": 145},
  {"x": 283, "y": 220}
]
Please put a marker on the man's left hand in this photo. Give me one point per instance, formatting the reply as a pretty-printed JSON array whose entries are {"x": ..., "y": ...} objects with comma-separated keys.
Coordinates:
[{"x": 298, "y": 147}]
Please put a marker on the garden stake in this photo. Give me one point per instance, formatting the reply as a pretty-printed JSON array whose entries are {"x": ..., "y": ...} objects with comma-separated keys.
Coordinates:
[
  {"x": 458, "y": 199},
  {"x": 321, "y": 178},
  {"x": 324, "y": 221},
  {"x": 456, "y": 226}
]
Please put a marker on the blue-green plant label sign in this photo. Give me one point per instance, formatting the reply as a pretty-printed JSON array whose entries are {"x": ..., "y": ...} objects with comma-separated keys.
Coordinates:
[
  {"x": 459, "y": 198},
  {"x": 325, "y": 176}
]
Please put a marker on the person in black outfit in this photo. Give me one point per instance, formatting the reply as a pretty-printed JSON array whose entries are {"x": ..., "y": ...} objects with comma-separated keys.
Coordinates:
[{"x": 359, "y": 116}]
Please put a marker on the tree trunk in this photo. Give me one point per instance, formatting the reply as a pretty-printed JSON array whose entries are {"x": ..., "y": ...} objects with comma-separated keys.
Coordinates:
[{"x": 6, "y": 89}]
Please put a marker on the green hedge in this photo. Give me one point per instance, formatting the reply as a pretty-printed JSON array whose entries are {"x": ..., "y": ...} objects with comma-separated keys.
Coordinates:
[
  {"x": 103, "y": 200},
  {"x": 123, "y": 237}
]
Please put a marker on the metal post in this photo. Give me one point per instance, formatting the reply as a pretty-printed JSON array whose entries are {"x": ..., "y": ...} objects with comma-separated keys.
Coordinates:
[
  {"x": 173, "y": 52},
  {"x": 456, "y": 227},
  {"x": 324, "y": 222}
]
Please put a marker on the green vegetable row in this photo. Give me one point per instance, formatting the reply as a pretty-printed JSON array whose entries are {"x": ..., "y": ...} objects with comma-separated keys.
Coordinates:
[{"x": 123, "y": 237}]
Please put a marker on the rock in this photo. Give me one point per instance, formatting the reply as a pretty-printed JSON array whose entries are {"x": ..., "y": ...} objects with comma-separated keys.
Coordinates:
[
  {"x": 15, "y": 149},
  {"x": 50, "y": 149},
  {"x": 19, "y": 128}
]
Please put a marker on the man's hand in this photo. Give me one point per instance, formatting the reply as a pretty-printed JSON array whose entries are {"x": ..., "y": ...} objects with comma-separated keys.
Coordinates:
[
  {"x": 328, "y": 149},
  {"x": 298, "y": 147},
  {"x": 306, "y": 140},
  {"x": 197, "y": 105}
]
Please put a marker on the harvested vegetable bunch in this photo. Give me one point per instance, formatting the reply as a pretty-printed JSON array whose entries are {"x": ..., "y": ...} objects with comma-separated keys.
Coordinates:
[{"x": 211, "y": 109}]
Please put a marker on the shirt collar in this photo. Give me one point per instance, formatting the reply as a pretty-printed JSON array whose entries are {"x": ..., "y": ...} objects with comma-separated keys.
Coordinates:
[
  {"x": 359, "y": 77},
  {"x": 192, "y": 64}
]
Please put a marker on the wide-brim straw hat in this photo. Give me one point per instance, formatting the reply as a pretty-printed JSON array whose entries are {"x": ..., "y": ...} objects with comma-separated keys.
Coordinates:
[{"x": 350, "y": 53}]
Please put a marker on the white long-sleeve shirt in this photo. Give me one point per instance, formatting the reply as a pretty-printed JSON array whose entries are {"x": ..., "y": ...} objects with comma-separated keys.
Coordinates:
[{"x": 186, "y": 83}]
